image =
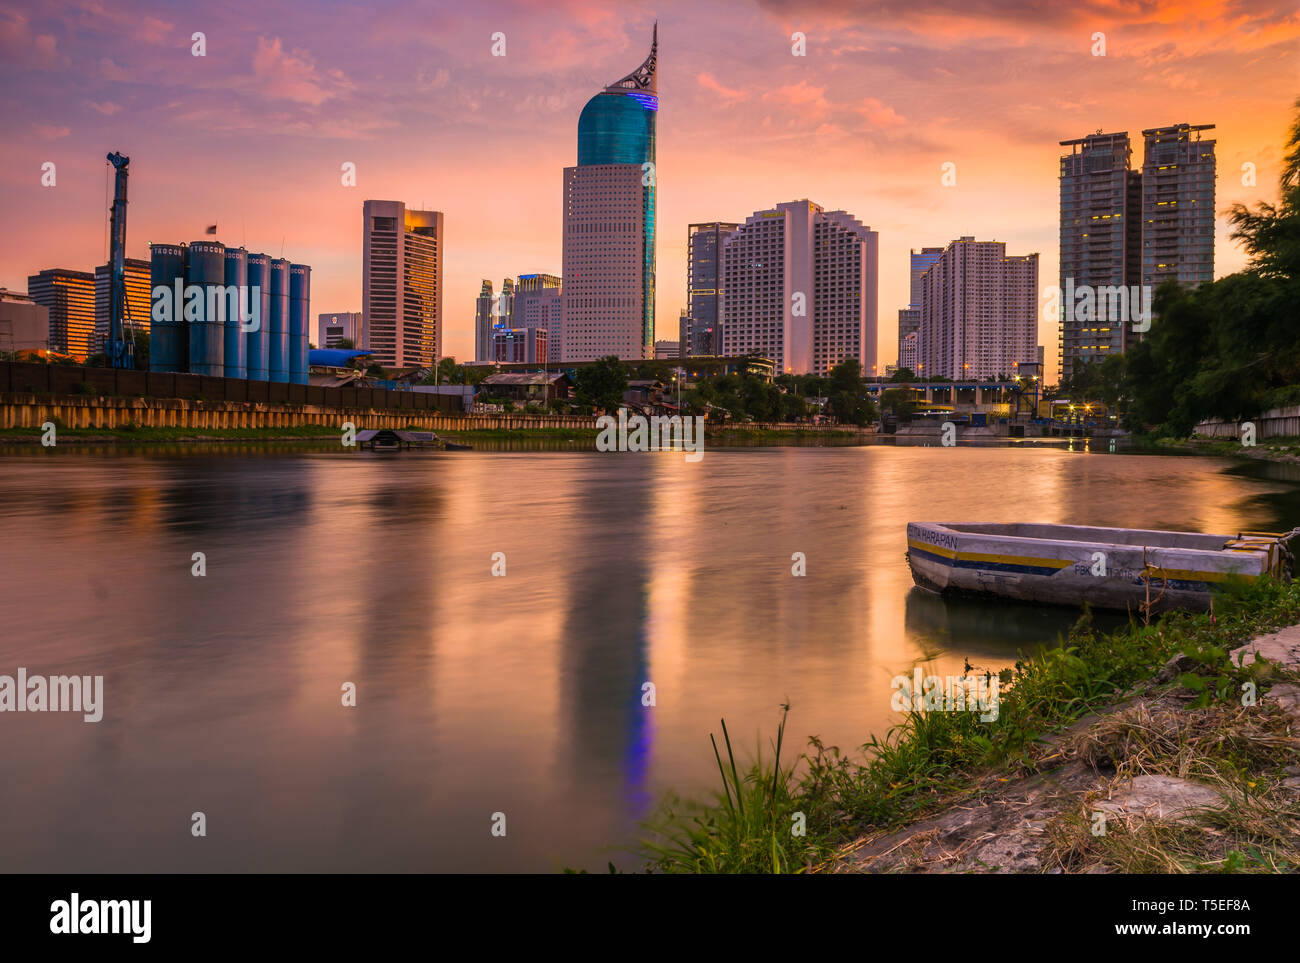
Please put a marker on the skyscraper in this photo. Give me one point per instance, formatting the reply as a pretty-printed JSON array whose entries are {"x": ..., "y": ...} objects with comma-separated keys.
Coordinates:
[
  {"x": 138, "y": 299},
  {"x": 1100, "y": 241},
  {"x": 1178, "y": 205},
  {"x": 609, "y": 222},
  {"x": 701, "y": 331},
  {"x": 70, "y": 298},
  {"x": 401, "y": 284},
  {"x": 484, "y": 321},
  {"x": 1124, "y": 232},
  {"x": 799, "y": 287},
  {"x": 909, "y": 318},
  {"x": 537, "y": 305},
  {"x": 979, "y": 312}
]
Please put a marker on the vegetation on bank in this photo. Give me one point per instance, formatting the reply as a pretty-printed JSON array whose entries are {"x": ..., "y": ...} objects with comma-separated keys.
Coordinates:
[
  {"x": 1281, "y": 448},
  {"x": 1226, "y": 350},
  {"x": 932, "y": 759}
]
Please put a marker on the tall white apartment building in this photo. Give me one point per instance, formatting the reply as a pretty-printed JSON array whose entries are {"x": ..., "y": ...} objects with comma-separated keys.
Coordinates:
[
  {"x": 800, "y": 287},
  {"x": 979, "y": 312},
  {"x": 401, "y": 284}
]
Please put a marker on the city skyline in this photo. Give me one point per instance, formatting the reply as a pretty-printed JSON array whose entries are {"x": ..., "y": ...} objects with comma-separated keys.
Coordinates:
[{"x": 863, "y": 122}]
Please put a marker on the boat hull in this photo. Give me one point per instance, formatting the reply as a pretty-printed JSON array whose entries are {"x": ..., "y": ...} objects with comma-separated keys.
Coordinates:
[{"x": 1073, "y": 565}]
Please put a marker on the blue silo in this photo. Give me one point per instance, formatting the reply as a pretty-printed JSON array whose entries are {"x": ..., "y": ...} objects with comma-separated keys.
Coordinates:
[
  {"x": 236, "y": 302},
  {"x": 299, "y": 308},
  {"x": 205, "y": 267},
  {"x": 258, "y": 343},
  {"x": 168, "y": 346},
  {"x": 278, "y": 361}
]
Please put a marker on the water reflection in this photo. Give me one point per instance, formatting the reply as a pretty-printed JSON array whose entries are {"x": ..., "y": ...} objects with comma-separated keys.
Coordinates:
[{"x": 479, "y": 693}]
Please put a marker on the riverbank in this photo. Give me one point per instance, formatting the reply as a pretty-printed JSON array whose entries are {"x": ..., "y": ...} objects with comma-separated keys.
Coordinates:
[
  {"x": 1267, "y": 449},
  {"x": 331, "y": 433},
  {"x": 1165, "y": 748}
]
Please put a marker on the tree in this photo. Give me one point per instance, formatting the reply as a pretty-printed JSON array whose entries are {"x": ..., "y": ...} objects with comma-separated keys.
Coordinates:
[
  {"x": 601, "y": 384},
  {"x": 346, "y": 344}
]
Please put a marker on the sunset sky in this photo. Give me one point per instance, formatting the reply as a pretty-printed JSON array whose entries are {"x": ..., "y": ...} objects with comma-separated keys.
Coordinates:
[{"x": 252, "y": 136}]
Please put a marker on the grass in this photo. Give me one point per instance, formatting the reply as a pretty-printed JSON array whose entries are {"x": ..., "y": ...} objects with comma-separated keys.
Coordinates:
[{"x": 930, "y": 759}]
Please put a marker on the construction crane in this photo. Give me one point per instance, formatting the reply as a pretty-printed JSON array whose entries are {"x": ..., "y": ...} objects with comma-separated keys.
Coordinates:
[{"x": 119, "y": 349}]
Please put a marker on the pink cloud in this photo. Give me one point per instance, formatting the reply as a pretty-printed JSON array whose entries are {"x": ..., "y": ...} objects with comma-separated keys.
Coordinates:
[
  {"x": 878, "y": 114},
  {"x": 293, "y": 76},
  {"x": 709, "y": 82}
]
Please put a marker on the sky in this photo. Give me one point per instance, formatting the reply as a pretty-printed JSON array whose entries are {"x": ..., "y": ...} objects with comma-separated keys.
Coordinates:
[{"x": 253, "y": 135}]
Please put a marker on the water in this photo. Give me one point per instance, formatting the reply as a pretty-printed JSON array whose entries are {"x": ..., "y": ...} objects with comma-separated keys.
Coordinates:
[{"x": 479, "y": 694}]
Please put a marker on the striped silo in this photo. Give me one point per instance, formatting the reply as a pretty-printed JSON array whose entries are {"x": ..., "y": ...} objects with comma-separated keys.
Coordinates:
[
  {"x": 258, "y": 343},
  {"x": 299, "y": 311},
  {"x": 206, "y": 267},
  {"x": 278, "y": 361},
  {"x": 168, "y": 346},
  {"x": 234, "y": 352}
]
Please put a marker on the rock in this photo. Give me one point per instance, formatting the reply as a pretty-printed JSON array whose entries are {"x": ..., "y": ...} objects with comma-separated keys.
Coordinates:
[
  {"x": 1282, "y": 647},
  {"x": 1287, "y": 696},
  {"x": 1175, "y": 667},
  {"x": 1162, "y": 797}
]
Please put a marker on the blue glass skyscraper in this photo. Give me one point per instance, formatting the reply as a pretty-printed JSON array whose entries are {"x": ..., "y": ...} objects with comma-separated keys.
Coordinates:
[{"x": 609, "y": 222}]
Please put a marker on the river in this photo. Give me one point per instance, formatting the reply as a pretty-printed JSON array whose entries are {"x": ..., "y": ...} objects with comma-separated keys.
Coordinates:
[{"x": 476, "y": 694}]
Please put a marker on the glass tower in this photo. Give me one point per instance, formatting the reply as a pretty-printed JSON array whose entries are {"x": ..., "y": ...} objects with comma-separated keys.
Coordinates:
[{"x": 617, "y": 127}]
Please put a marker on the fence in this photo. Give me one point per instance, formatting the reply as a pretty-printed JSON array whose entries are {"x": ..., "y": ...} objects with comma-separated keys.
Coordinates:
[
  {"x": 42, "y": 379},
  {"x": 1275, "y": 423}
]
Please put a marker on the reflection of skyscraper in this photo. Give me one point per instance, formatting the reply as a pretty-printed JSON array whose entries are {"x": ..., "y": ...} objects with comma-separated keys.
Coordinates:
[
  {"x": 609, "y": 222},
  {"x": 702, "y": 330}
]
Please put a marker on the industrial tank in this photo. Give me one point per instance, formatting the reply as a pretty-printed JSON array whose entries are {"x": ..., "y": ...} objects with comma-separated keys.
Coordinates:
[
  {"x": 299, "y": 308},
  {"x": 168, "y": 347},
  {"x": 279, "y": 356},
  {"x": 258, "y": 343},
  {"x": 205, "y": 267},
  {"x": 236, "y": 303}
]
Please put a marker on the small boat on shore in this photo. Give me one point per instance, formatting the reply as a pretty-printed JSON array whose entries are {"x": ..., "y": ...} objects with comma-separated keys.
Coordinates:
[{"x": 1111, "y": 568}]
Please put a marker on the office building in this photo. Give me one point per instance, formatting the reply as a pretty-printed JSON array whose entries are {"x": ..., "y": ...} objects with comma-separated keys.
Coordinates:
[
  {"x": 701, "y": 332},
  {"x": 800, "y": 288},
  {"x": 669, "y": 350},
  {"x": 136, "y": 316},
  {"x": 519, "y": 346},
  {"x": 401, "y": 284},
  {"x": 909, "y": 318},
  {"x": 979, "y": 312},
  {"x": 69, "y": 297},
  {"x": 24, "y": 324},
  {"x": 331, "y": 328},
  {"x": 609, "y": 222}
]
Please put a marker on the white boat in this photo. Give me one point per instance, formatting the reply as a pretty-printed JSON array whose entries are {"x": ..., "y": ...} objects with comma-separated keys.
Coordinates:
[{"x": 1112, "y": 568}]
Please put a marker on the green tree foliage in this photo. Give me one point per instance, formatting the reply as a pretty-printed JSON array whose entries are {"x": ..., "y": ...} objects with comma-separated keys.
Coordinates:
[{"x": 602, "y": 383}]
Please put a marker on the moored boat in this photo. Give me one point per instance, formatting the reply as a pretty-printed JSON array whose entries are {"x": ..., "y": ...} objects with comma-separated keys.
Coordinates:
[{"x": 1112, "y": 568}]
